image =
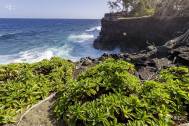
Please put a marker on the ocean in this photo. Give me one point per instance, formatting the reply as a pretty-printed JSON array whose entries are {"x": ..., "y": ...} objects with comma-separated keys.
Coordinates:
[{"x": 32, "y": 40}]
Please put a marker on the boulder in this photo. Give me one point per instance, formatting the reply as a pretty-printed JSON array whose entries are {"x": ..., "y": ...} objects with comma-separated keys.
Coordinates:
[
  {"x": 179, "y": 48},
  {"x": 87, "y": 62}
]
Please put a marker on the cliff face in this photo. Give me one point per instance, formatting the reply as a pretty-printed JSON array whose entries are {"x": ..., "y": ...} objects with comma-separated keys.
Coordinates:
[
  {"x": 173, "y": 8},
  {"x": 135, "y": 34}
]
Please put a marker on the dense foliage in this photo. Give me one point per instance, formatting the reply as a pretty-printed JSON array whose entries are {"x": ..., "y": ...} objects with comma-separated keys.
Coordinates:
[
  {"x": 22, "y": 85},
  {"x": 109, "y": 94},
  {"x": 143, "y": 8},
  {"x": 134, "y": 7}
]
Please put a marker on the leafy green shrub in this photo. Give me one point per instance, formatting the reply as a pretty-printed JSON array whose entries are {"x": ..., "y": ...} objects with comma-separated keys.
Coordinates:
[
  {"x": 80, "y": 98},
  {"x": 177, "y": 85},
  {"x": 171, "y": 90},
  {"x": 175, "y": 74},
  {"x": 109, "y": 94},
  {"x": 25, "y": 84}
]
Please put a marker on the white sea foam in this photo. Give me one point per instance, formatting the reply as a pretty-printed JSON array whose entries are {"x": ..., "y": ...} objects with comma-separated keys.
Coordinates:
[
  {"x": 64, "y": 49},
  {"x": 36, "y": 55},
  {"x": 32, "y": 56},
  {"x": 64, "y": 52},
  {"x": 98, "y": 28},
  {"x": 80, "y": 38},
  {"x": 12, "y": 33}
]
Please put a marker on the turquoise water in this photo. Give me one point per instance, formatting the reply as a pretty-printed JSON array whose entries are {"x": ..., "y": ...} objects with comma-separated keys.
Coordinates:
[{"x": 32, "y": 40}]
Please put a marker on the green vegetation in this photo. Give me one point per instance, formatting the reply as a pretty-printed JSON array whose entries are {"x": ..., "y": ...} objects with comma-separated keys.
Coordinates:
[
  {"x": 143, "y": 8},
  {"x": 134, "y": 8},
  {"x": 109, "y": 94},
  {"x": 22, "y": 85}
]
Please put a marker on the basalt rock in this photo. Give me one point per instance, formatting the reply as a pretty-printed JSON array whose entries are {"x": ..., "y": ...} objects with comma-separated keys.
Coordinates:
[
  {"x": 172, "y": 8},
  {"x": 133, "y": 34},
  {"x": 179, "y": 49},
  {"x": 148, "y": 63}
]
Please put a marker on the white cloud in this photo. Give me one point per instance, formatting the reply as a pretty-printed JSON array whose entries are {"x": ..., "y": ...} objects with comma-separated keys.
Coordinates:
[{"x": 9, "y": 7}]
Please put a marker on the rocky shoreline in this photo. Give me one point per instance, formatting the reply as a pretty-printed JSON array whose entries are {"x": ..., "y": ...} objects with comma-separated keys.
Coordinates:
[
  {"x": 148, "y": 45},
  {"x": 149, "y": 62}
]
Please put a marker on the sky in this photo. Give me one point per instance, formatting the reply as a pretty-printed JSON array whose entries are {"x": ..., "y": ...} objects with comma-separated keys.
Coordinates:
[{"x": 71, "y": 9}]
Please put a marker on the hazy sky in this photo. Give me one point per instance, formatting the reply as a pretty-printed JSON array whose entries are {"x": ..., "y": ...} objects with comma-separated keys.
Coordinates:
[{"x": 83, "y": 9}]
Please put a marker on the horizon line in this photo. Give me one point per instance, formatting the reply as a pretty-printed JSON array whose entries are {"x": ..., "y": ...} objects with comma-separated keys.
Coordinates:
[{"x": 56, "y": 18}]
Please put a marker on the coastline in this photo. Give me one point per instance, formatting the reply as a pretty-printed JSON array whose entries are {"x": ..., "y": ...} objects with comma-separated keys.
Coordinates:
[
  {"x": 149, "y": 83},
  {"x": 148, "y": 63}
]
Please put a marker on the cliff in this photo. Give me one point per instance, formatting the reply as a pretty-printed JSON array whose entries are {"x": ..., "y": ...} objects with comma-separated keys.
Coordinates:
[
  {"x": 133, "y": 34},
  {"x": 149, "y": 62},
  {"x": 172, "y": 8}
]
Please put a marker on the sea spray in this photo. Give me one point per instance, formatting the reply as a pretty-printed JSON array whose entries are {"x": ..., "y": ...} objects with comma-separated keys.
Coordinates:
[
  {"x": 81, "y": 38},
  {"x": 98, "y": 28},
  {"x": 32, "y": 40}
]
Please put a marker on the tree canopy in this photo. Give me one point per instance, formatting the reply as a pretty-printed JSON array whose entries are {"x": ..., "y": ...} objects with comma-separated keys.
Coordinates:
[{"x": 134, "y": 7}]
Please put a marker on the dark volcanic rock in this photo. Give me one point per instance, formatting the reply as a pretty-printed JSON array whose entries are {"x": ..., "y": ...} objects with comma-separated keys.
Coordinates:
[
  {"x": 150, "y": 48},
  {"x": 162, "y": 51},
  {"x": 135, "y": 34},
  {"x": 172, "y": 8},
  {"x": 179, "y": 48},
  {"x": 149, "y": 34},
  {"x": 87, "y": 62},
  {"x": 148, "y": 63}
]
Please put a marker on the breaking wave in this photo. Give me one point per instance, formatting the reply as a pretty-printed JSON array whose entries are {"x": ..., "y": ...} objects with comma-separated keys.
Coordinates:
[
  {"x": 7, "y": 34},
  {"x": 98, "y": 28},
  {"x": 81, "y": 38},
  {"x": 33, "y": 56}
]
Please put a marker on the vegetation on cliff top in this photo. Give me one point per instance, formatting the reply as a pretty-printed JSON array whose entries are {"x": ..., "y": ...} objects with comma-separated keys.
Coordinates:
[
  {"x": 159, "y": 8},
  {"x": 134, "y": 8}
]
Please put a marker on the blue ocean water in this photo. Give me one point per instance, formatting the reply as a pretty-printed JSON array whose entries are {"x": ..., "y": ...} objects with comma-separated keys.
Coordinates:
[{"x": 32, "y": 40}]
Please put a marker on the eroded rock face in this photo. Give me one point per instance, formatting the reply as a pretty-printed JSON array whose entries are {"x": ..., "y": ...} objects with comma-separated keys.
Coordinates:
[
  {"x": 180, "y": 49},
  {"x": 148, "y": 63},
  {"x": 135, "y": 34},
  {"x": 172, "y": 8}
]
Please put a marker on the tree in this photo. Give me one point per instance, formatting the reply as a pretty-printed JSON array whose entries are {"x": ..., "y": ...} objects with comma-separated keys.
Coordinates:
[
  {"x": 142, "y": 8},
  {"x": 121, "y": 5},
  {"x": 116, "y": 6},
  {"x": 128, "y": 4},
  {"x": 134, "y": 7}
]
